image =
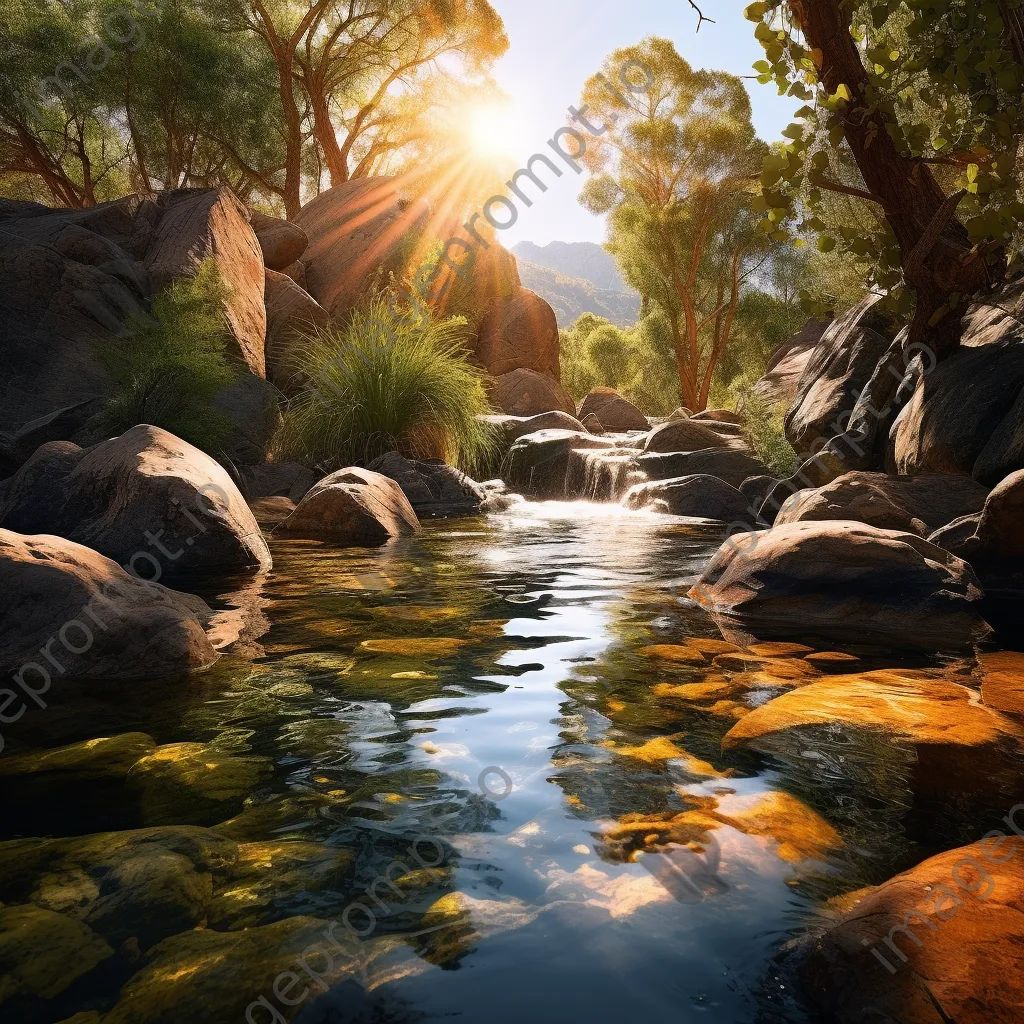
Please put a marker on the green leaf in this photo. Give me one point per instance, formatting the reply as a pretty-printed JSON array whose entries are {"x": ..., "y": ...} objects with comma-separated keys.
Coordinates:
[{"x": 826, "y": 244}]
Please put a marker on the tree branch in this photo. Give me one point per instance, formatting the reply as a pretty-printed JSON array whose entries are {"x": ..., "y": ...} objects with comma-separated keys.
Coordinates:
[{"x": 700, "y": 15}]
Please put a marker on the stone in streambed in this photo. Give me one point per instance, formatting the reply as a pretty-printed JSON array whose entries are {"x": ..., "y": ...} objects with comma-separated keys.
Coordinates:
[
  {"x": 434, "y": 488},
  {"x": 538, "y": 463},
  {"x": 725, "y": 463},
  {"x": 701, "y": 497},
  {"x": 613, "y": 412},
  {"x": 688, "y": 436}
]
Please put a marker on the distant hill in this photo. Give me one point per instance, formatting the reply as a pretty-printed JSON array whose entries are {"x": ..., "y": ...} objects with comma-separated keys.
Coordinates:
[{"x": 575, "y": 278}]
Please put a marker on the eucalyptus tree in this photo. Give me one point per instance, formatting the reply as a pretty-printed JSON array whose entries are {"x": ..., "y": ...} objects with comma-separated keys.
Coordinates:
[{"x": 675, "y": 160}]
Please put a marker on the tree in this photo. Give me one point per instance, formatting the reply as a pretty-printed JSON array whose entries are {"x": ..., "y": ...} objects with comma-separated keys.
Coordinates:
[
  {"x": 917, "y": 112},
  {"x": 675, "y": 158}
]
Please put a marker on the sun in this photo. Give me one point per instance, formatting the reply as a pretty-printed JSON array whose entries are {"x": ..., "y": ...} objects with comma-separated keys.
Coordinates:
[{"x": 495, "y": 130}]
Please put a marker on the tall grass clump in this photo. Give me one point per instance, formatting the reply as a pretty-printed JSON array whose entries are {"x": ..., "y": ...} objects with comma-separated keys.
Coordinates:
[
  {"x": 388, "y": 379},
  {"x": 172, "y": 363}
]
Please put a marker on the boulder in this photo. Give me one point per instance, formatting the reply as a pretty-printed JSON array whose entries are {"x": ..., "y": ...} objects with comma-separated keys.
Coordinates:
[
  {"x": 292, "y": 314},
  {"x": 701, "y": 497},
  {"x": 60, "y": 425},
  {"x": 529, "y": 393},
  {"x": 271, "y": 512},
  {"x": 280, "y": 241},
  {"x": 756, "y": 490},
  {"x": 95, "y": 620},
  {"x": 518, "y": 333},
  {"x": 994, "y": 534},
  {"x": 679, "y": 414},
  {"x": 359, "y": 232},
  {"x": 613, "y": 411},
  {"x": 937, "y": 943},
  {"x": 251, "y": 409},
  {"x": 787, "y": 363},
  {"x": 687, "y": 436},
  {"x": 842, "y": 579},
  {"x": 840, "y": 366},
  {"x": 510, "y": 428},
  {"x": 277, "y": 479},
  {"x": 719, "y": 416},
  {"x": 199, "y": 224},
  {"x": 725, "y": 463},
  {"x": 353, "y": 508},
  {"x": 918, "y": 504},
  {"x": 434, "y": 489},
  {"x": 591, "y": 424},
  {"x": 146, "y": 499},
  {"x": 538, "y": 464}
]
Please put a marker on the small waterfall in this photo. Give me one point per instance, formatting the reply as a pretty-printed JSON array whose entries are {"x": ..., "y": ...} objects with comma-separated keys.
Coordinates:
[{"x": 602, "y": 474}]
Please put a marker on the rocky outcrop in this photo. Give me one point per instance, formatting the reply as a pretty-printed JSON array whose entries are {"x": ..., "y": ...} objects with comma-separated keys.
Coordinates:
[
  {"x": 701, "y": 497},
  {"x": 198, "y": 224},
  {"x": 613, "y": 412},
  {"x": 937, "y": 943},
  {"x": 835, "y": 578},
  {"x": 66, "y": 602},
  {"x": 916, "y": 504},
  {"x": 359, "y": 232},
  {"x": 292, "y": 314},
  {"x": 787, "y": 364},
  {"x": 353, "y": 508},
  {"x": 994, "y": 534},
  {"x": 509, "y": 429},
  {"x": 538, "y": 464},
  {"x": 688, "y": 436},
  {"x": 434, "y": 489},
  {"x": 840, "y": 366},
  {"x": 146, "y": 499},
  {"x": 280, "y": 241},
  {"x": 518, "y": 333},
  {"x": 529, "y": 393},
  {"x": 725, "y": 463}
]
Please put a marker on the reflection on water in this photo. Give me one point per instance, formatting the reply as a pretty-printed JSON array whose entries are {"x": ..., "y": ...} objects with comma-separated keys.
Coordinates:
[{"x": 496, "y": 750}]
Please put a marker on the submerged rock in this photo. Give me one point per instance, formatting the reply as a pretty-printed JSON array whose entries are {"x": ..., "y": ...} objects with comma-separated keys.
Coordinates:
[
  {"x": 96, "y": 620},
  {"x": 838, "y": 578},
  {"x": 919, "y": 504},
  {"x": 146, "y": 499},
  {"x": 702, "y": 497},
  {"x": 434, "y": 489},
  {"x": 938, "y": 943},
  {"x": 613, "y": 412},
  {"x": 353, "y": 508}
]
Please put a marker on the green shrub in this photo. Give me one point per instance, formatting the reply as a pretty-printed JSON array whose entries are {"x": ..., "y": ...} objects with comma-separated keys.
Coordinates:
[
  {"x": 387, "y": 380},
  {"x": 764, "y": 425},
  {"x": 173, "y": 362}
]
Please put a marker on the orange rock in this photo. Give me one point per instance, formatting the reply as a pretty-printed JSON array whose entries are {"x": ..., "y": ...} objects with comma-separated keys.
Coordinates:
[
  {"x": 777, "y": 650},
  {"x": 1002, "y": 685}
]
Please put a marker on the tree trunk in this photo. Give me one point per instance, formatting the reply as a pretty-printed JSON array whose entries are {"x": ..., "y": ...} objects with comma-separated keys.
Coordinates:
[
  {"x": 936, "y": 253},
  {"x": 326, "y": 138}
]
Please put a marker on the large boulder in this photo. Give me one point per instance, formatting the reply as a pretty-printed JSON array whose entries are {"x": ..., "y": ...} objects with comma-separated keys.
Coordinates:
[
  {"x": 725, "y": 463},
  {"x": 538, "y": 464},
  {"x": 688, "y": 436},
  {"x": 613, "y": 412},
  {"x": 529, "y": 393},
  {"x": 701, "y": 497},
  {"x": 509, "y": 429},
  {"x": 292, "y": 314},
  {"x": 353, "y": 508},
  {"x": 251, "y": 410},
  {"x": 359, "y": 232},
  {"x": 66, "y": 603},
  {"x": 840, "y": 366},
  {"x": 280, "y": 241},
  {"x": 843, "y": 579},
  {"x": 993, "y": 535},
  {"x": 277, "y": 479},
  {"x": 787, "y": 363},
  {"x": 518, "y": 333},
  {"x": 938, "y": 943},
  {"x": 434, "y": 489},
  {"x": 146, "y": 499},
  {"x": 198, "y": 224},
  {"x": 918, "y": 504}
]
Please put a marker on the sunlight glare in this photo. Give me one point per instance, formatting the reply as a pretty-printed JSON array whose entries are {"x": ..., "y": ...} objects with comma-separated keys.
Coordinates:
[{"x": 496, "y": 130}]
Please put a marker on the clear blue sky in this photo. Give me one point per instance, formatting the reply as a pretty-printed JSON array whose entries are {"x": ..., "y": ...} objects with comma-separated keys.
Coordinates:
[{"x": 557, "y": 44}]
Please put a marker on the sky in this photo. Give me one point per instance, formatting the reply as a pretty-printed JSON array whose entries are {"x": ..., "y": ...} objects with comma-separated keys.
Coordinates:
[{"x": 556, "y": 45}]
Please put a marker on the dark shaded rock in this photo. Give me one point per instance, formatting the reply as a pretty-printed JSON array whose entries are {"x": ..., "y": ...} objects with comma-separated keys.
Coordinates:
[
  {"x": 840, "y": 366},
  {"x": 60, "y": 425},
  {"x": 250, "y": 405},
  {"x": 538, "y": 463},
  {"x": 277, "y": 479},
  {"x": 529, "y": 393},
  {"x": 434, "y": 489},
  {"x": 688, "y": 436},
  {"x": 280, "y": 241},
  {"x": 510, "y": 428},
  {"x": 918, "y": 504},
  {"x": 147, "y": 499},
  {"x": 592, "y": 425},
  {"x": 271, "y": 512},
  {"x": 787, "y": 363},
  {"x": 96, "y": 620},
  {"x": 835, "y": 578},
  {"x": 613, "y": 411},
  {"x": 292, "y": 315},
  {"x": 725, "y": 463},
  {"x": 995, "y": 533},
  {"x": 518, "y": 333},
  {"x": 703, "y": 497},
  {"x": 756, "y": 490},
  {"x": 353, "y": 508}
]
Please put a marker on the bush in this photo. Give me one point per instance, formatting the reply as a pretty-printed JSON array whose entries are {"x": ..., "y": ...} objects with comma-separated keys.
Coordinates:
[
  {"x": 388, "y": 380},
  {"x": 764, "y": 426},
  {"x": 173, "y": 362}
]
